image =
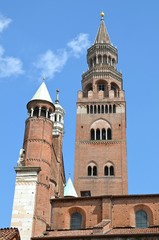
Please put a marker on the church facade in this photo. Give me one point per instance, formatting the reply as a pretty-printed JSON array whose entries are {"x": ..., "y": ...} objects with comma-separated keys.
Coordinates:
[{"x": 97, "y": 206}]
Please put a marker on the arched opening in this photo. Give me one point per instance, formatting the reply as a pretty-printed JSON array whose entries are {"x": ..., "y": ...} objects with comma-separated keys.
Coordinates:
[
  {"x": 87, "y": 89},
  {"x": 106, "y": 108},
  {"x": 55, "y": 118},
  {"x": 92, "y": 134},
  {"x": 99, "y": 59},
  {"x": 115, "y": 88},
  {"x": 99, "y": 109},
  {"x": 76, "y": 221},
  {"x": 43, "y": 112},
  {"x": 102, "y": 109},
  {"x": 103, "y": 134},
  {"x": 110, "y": 108},
  {"x": 87, "y": 109},
  {"x": 59, "y": 118},
  {"x": 141, "y": 219},
  {"x": 109, "y": 134},
  {"x": 36, "y": 112},
  {"x": 106, "y": 171},
  {"x": 94, "y": 170},
  {"x": 89, "y": 171},
  {"x": 98, "y": 134},
  {"x": 102, "y": 86},
  {"x": 95, "y": 109},
  {"x": 91, "y": 109},
  {"x": 105, "y": 59},
  {"x": 114, "y": 108},
  {"x": 111, "y": 171}
]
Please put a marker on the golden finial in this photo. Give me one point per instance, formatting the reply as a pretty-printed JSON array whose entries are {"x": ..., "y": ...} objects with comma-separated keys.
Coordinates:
[{"x": 102, "y": 15}]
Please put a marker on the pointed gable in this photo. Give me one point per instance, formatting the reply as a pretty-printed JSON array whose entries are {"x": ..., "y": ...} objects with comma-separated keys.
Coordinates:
[
  {"x": 102, "y": 34},
  {"x": 42, "y": 94}
]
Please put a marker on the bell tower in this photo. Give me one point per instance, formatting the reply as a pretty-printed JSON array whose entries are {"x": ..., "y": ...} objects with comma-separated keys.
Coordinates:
[
  {"x": 40, "y": 171},
  {"x": 100, "y": 150}
]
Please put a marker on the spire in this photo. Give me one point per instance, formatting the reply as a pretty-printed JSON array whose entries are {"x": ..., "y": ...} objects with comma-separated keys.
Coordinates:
[
  {"x": 102, "y": 34},
  {"x": 69, "y": 190},
  {"x": 42, "y": 94},
  {"x": 57, "y": 96}
]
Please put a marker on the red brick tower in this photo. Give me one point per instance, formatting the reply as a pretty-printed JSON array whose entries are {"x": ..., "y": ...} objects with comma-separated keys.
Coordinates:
[
  {"x": 40, "y": 171},
  {"x": 100, "y": 153}
]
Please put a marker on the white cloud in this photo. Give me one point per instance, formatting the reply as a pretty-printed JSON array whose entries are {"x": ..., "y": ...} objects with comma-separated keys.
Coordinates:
[
  {"x": 49, "y": 63},
  {"x": 4, "y": 22},
  {"x": 79, "y": 44},
  {"x": 9, "y": 66}
]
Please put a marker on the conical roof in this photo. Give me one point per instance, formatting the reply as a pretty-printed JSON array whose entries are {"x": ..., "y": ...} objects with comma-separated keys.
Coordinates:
[
  {"x": 102, "y": 34},
  {"x": 69, "y": 190},
  {"x": 42, "y": 94}
]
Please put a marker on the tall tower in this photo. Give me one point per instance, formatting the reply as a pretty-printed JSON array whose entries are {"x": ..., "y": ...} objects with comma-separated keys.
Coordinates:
[
  {"x": 40, "y": 170},
  {"x": 100, "y": 152}
]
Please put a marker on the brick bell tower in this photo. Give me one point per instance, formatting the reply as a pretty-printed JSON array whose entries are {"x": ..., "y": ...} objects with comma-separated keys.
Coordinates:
[
  {"x": 40, "y": 170},
  {"x": 100, "y": 150}
]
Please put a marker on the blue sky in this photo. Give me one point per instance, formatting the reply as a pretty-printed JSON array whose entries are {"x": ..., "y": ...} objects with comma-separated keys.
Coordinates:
[{"x": 50, "y": 38}]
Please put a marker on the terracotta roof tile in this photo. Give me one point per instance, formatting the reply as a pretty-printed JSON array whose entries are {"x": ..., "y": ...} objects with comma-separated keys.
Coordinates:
[
  {"x": 9, "y": 233},
  {"x": 135, "y": 231}
]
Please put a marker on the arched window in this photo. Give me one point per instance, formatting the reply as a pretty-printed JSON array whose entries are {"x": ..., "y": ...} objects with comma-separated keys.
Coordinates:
[
  {"x": 102, "y": 109},
  {"x": 91, "y": 109},
  {"x": 36, "y": 112},
  {"x": 92, "y": 134},
  {"x": 103, "y": 134},
  {"x": 105, "y": 59},
  {"x": 43, "y": 112},
  {"x": 111, "y": 171},
  {"x": 89, "y": 171},
  {"x": 106, "y": 108},
  {"x": 59, "y": 118},
  {"x": 55, "y": 118},
  {"x": 141, "y": 219},
  {"x": 110, "y": 109},
  {"x": 114, "y": 108},
  {"x": 106, "y": 171},
  {"x": 99, "y": 59},
  {"x": 98, "y": 134},
  {"x": 94, "y": 60},
  {"x": 76, "y": 221},
  {"x": 109, "y": 134},
  {"x": 95, "y": 109},
  {"x": 98, "y": 108},
  {"x": 94, "y": 170}
]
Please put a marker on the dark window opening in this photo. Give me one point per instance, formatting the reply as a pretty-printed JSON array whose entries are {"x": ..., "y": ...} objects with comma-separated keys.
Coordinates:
[
  {"x": 110, "y": 109},
  {"x": 101, "y": 87},
  {"x": 106, "y": 108},
  {"x": 103, "y": 134},
  {"x": 114, "y": 108},
  {"x": 87, "y": 109},
  {"x": 98, "y": 134},
  {"x": 106, "y": 171},
  {"x": 102, "y": 109},
  {"x": 89, "y": 170},
  {"x": 36, "y": 112},
  {"x": 43, "y": 112},
  {"x": 98, "y": 108},
  {"x": 94, "y": 171},
  {"x": 95, "y": 109},
  {"x": 141, "y": 219},
  {"x": 109, "y": 134},
  {"x": 76, "y": 221},
  {"x": 92, "y": 134},
  {"x": 85, "y": 193},
  {"x": 91, "y": 109},
  {"x": 111, "y": 171}
]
